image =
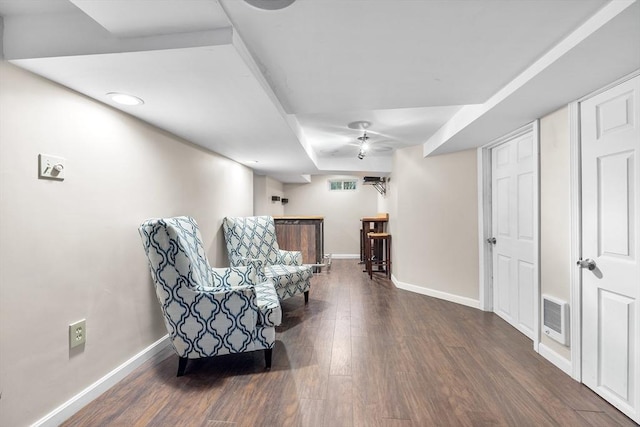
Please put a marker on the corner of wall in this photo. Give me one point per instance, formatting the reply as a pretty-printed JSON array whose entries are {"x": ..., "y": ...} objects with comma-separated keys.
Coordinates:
[
  {"x": 554, "y": 357},
  {"x": 1, "y": 38}
]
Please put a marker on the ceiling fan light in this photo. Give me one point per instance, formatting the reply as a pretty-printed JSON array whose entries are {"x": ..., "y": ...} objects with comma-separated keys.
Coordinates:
[{"x": 364, "y": 145}]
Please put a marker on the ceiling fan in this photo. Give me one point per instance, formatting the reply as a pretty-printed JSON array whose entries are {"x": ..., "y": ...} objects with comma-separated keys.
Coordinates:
[
  {"x": 364, "y": 143},
  {"x": 347, "y": 140}
]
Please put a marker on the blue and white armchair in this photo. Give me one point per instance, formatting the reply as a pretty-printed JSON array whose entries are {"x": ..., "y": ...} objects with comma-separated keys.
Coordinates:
[
  {"x": 207, "y": 311},
  {"x": 254, "y": 238}
]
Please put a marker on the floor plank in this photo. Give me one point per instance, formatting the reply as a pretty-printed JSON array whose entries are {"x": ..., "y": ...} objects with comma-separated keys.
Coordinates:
[{"x": 362, "y": 353}]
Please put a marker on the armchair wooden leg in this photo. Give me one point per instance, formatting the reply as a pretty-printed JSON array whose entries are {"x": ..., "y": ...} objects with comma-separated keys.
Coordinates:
[
  {"x": 182, "y": 365},
  {"x": 306, "y": 297},
  {"x": 268, "y": 352}
]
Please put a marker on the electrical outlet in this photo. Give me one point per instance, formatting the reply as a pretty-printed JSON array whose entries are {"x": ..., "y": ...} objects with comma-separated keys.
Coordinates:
[{"x": 77, "y": 333}]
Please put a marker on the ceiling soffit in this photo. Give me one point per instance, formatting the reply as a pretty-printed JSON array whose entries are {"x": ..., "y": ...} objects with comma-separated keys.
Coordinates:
[
  {"x": 337, "y": 55},
  {"x": 143, "y": 18},
  {"x": 418, "y": 71},
  {"x": 198, "y": 86},
  {"x": 603, "y": 49}
]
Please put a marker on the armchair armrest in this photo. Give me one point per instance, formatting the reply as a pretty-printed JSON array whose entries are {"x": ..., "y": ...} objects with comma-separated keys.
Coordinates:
[
  {"x": 231, "y": 277},
  {"x": 250, "y": 273},
  {"x": 212, "y": 320},
  {"x": 258, "y": 266},
  {"x": 290, "y": 257},
  {"x": 237, "y": 310}
]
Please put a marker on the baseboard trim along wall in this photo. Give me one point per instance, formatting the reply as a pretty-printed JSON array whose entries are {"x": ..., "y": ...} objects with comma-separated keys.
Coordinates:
[
  {"x": 560, "y": 362},
  {"x": 159, "y": 350},
  {"x": 469, "y": 302}
]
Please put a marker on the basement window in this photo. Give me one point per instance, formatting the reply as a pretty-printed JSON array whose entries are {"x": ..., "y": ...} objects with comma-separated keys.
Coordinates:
[{"x": 342, "y": 184}]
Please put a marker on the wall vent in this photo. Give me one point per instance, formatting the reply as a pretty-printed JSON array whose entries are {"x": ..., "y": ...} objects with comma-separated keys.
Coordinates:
[{"x": 555, "y": 315}]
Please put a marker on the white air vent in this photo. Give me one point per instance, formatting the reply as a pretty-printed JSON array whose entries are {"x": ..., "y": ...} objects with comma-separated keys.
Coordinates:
[{"x": 555, "y": 315}]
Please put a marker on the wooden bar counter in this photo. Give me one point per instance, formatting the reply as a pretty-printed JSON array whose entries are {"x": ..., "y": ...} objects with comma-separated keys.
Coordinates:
[{"x": 302, "y": 233}]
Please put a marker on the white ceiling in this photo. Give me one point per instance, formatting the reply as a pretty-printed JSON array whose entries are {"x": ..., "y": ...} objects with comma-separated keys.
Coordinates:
[{"x": 282, "y": 86}]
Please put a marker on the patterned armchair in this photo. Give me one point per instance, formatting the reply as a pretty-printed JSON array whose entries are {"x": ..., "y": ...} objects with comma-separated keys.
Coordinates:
[
  {"x": 207, "y": 311},
  {"x": 251, "y": 238}
]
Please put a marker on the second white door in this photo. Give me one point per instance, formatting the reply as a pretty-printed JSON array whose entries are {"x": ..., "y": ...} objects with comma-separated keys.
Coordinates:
[
  {"x": 512, "y": 179},
  {"x": 610, "y": 134}
]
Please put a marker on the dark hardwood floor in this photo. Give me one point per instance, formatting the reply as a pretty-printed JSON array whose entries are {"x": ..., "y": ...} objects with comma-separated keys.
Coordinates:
[{"x": 362, "y": 353}]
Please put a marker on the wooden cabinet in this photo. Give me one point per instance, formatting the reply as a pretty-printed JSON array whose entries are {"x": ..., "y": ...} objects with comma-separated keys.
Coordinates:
[{"x": 302, "y": 233}]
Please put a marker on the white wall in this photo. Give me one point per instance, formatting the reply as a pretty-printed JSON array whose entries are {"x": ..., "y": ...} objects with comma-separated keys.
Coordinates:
[
  {"x": 342, "y": 210},
  {"x": 434, "y": 221},
  {"x": 555, "y": 213},
  {"x": 70, "y": 250},
  {"x": 1, "y": 38},
  {"x": 387, "y": 201},
  {"x": 263, "y": 188}
]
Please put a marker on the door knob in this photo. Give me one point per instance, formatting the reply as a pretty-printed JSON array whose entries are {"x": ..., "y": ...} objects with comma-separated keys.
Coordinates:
[
  {"x": 587, "y": 263},
  {"x": 492, "y": 240}
]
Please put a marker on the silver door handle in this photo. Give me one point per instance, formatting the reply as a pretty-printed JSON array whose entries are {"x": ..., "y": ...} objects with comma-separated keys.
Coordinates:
[
  {"x": 587, "y": 263},
  {"x": 492, "y": 240}
]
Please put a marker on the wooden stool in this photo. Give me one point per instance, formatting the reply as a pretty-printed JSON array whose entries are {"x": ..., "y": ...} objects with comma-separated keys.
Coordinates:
[{"x": 379, "y": 253}]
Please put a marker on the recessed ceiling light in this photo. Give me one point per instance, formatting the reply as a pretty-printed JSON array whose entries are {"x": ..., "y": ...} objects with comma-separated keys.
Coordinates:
[
  {"x": 124, "y": 99},
  {"x": 270, "y": 4}
]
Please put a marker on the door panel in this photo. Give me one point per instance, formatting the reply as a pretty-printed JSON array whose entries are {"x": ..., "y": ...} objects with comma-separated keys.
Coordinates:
[
  {"x": 610, "y": 139},
  {"x": 615, "y": 114},
  {"x": 615, "y": 311},
  {"x": 512, "y": 177},
  {"x": 502, "y": 202},
  {"x": 525, "y": 294},
  {"x": 502, "y": 286},
  {"x": 615, "y": 203},
  {"x": 525, "y": 206}
]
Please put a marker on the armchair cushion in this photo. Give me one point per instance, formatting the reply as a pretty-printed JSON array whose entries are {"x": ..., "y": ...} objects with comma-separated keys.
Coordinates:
[{"x": 289, "y": 280}]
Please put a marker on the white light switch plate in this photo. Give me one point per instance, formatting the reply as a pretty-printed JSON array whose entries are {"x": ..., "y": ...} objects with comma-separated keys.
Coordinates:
[{"x": 51, "y": 167}]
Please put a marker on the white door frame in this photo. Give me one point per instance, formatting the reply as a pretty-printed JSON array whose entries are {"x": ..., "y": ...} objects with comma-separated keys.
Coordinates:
[
  {"x": 485, "y": 221},
  {"x": 576, "y": 227}
]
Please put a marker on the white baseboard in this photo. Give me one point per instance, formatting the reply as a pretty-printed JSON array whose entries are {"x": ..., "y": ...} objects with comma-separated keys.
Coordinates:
[
  {"x": 159, "y": 350},
  {"x": 560, "y": 362},
  {"x": 469, "y": 302},
  {"x": 345, "y": 256}
]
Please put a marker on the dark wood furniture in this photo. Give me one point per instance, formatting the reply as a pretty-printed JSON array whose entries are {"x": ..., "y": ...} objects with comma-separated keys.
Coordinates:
[
  {"x": 381, "y": 263},
  {"x": 371, "y": 224},
  {"x": 302, "y": 233}
]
